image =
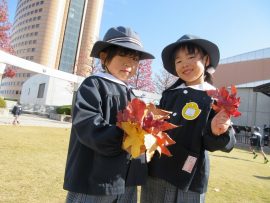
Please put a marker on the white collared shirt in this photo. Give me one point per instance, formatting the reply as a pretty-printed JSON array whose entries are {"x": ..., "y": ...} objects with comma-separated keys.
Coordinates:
[
  {"x": 203, "y": 86},
  {"x": 111, "y": 78}
]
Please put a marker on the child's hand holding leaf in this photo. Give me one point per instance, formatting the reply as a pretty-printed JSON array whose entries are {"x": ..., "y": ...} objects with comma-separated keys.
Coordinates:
[{"x": 220, "y": 123}]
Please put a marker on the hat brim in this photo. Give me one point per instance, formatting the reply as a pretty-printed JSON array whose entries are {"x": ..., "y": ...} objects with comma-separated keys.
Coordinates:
[
  {"x": 101, "y": 45},
  {"x": 211, "y": 49}
]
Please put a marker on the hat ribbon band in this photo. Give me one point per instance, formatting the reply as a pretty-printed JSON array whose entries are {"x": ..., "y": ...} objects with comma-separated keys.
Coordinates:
[{"x": 125, "y": 39}]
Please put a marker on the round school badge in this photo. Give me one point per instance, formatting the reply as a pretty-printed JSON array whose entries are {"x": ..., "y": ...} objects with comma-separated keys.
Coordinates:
[{"x": 191, "y": 111}]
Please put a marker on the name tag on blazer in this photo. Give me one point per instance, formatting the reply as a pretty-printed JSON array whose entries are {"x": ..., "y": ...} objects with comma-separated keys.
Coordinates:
[{"x": 189, "y": 164}]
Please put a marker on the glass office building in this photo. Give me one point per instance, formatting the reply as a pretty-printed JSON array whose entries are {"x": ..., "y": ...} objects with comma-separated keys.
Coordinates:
[
  {"x": 71, "y": 36},
  {"x": 57, "y": 34}
]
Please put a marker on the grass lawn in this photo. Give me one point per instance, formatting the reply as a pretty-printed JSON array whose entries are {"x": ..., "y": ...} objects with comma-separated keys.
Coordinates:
[
  {"x": 237, "y": 178},
  {"x": 33, "y": 162}
]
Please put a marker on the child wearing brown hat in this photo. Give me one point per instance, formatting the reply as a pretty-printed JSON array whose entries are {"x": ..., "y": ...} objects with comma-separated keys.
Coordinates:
[
  {"x": 98, "y": 169},
  {"x": 184, "y": 176}
]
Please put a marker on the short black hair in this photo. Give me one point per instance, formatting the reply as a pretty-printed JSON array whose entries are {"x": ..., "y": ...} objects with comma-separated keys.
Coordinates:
[
  {"x": 113, "y": 51},
  {"x": 191, "y": 48}
]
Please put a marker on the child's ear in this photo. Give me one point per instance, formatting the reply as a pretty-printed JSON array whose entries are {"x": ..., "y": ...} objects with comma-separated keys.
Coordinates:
[{"x": 102, "y": 56}]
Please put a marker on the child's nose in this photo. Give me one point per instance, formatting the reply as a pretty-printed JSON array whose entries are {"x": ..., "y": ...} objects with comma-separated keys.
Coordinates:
[{"x": 185, "y": 63}]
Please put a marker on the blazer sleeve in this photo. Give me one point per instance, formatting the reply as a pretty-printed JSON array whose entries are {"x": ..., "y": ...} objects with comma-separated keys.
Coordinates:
[
  {"x": 224, "y": 142},
  {"x": 89, "y": 125}
]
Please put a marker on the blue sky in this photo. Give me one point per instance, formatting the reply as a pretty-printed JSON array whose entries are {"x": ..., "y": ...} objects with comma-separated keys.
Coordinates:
[{"x": 236, "y": 26}]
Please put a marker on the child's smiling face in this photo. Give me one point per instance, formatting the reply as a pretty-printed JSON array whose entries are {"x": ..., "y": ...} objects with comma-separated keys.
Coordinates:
[
  {"x": 190, "y": 66},
  {"x": 123, "y": 67},
  {"x": 120, "y": 62}
]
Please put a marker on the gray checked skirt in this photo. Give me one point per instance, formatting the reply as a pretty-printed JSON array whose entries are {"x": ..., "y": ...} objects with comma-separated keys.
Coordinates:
[
  {"x": 130, "y": 196},
  {"x": 160, "y": 191}
]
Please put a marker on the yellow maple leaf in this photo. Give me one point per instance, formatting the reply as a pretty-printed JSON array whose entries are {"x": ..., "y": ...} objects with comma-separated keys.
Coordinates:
[{"x": 134, "y": 140}]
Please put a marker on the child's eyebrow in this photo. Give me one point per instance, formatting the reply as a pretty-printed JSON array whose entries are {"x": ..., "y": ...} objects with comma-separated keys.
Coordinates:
[{"x": 178, "y": 58}]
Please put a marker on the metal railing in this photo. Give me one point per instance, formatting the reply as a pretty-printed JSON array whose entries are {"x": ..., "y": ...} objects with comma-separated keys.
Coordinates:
[{"x": 6, "y": 58}]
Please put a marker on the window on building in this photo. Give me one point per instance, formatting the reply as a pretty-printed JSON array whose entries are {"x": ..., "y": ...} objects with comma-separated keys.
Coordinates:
[{"x": 41, "y": 90}]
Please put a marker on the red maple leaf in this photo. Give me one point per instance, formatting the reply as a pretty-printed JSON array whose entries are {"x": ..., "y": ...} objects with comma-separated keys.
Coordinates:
[
  {"x": 156, "y": 127},
  {"x": 134, "y": 112},
  {"x": 164, "y": 140},
  {"x": 224, "y": 100}
]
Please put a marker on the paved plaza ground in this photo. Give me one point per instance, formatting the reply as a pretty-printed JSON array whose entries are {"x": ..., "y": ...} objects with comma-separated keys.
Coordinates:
[{"x": 33, "y": 120}]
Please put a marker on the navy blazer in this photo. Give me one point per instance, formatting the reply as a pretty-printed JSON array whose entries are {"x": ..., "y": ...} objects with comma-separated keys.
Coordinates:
[
  {"x": 96, "y": 162},
  {"x": 188, "y": 168}
]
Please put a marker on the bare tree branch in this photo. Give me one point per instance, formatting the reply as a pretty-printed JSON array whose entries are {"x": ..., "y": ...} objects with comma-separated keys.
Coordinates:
[{"x": 163, "y": 80}]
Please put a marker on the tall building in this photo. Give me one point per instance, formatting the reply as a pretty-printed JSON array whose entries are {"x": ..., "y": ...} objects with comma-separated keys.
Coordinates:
[{"x": 56, "y": 33}]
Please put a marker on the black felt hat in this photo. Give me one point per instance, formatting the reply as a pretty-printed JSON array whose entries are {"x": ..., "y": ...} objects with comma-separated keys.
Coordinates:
[
  {"x": 123, "y": 37},
  {"x": 209, "y": 47}
]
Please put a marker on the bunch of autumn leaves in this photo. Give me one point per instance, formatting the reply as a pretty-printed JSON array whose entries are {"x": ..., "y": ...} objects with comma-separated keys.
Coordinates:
[
  {"x": 144, "y": 124},
  {"x": 142, "y": 121}
]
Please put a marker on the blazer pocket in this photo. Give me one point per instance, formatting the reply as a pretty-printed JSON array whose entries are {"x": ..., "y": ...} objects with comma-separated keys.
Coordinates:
[{"x": 186, "y": 165}]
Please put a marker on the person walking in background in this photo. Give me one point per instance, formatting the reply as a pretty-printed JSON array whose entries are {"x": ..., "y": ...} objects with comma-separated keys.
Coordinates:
[
  {"x": 183, "y": 178},
  {"x": 256, "y": 144},
  {"x": 16, "y": 111},
  {"x": 98, "y": 169}
]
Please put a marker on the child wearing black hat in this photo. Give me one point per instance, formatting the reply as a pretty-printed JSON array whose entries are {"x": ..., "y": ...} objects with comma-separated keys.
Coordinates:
[
  {"x": 184, "y": 176},
  {"x": 98, "y": 169}
]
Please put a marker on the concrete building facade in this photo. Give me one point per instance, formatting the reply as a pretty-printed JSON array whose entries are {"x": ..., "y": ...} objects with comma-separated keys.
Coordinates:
[
  {"x": 57, "y": 34},
  {"x": 248, "y": 71},
  {"x": 43, "y": 93}
]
